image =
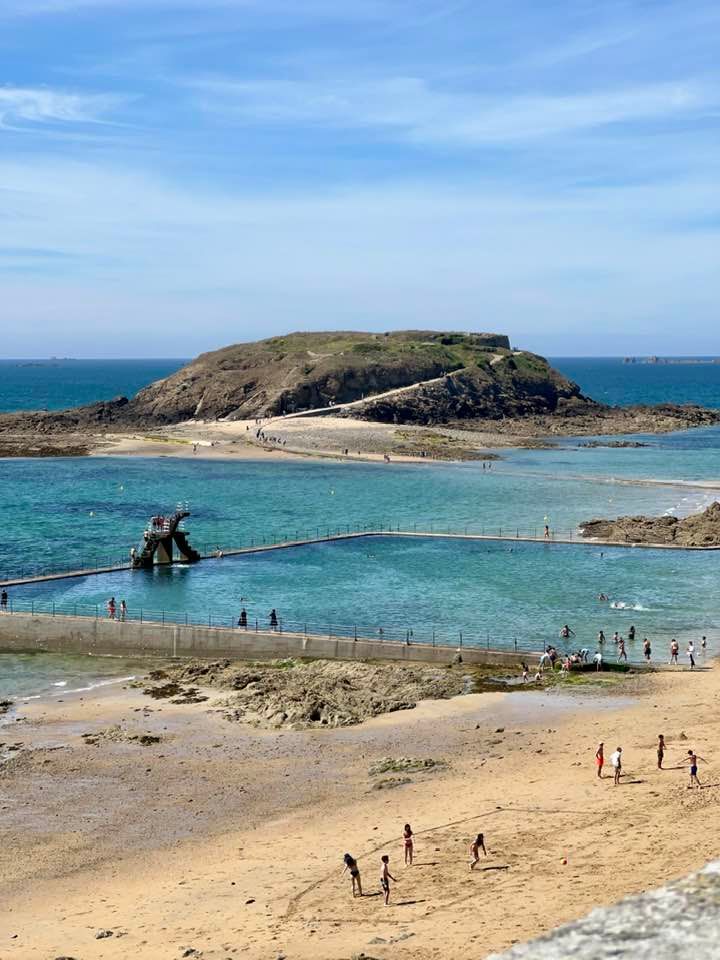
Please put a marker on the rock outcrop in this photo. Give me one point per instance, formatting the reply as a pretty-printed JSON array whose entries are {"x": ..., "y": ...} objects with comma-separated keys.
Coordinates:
[{"x": 697, "y": 530}]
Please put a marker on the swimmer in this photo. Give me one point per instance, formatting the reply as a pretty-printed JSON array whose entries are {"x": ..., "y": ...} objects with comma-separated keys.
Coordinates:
[
  {"x": 352, "y": 867},
  {"x": 476, "y": 846}
]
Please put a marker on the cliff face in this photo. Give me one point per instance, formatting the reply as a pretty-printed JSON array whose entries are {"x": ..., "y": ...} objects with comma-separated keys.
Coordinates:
[{"x": 697, "y": 530}]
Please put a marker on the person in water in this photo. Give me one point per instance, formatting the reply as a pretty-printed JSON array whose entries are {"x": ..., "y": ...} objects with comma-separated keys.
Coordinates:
[
  {"x": 386, "y": 877},
  {"x": 622, "y": 652},
  {"x": 693, "y": 758},
  {"x": 647, "y": 649},
  {"x": 566, "y": 632},
  {"x": 476, "y": 846},
  {"x": 600, "y": 759},
  {"x": 660, "y": 750},
  {"x": 631, "y": 633},
  {"x": 352, "y": 867},
  {"x": 408, "y": 844},
  {"x": 601, "y": 637}
]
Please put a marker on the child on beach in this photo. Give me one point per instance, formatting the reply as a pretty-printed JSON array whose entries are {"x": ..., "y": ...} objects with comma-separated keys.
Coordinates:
[
  {"x": 693, "y": 758},
  {"x": 351, "y": 865},
  {"x": 660, "y": 750},
  {"x": 476, "y": 846},
  {"x": 600, "y": 759},
  {"x": 386, "y": 877},
  {"x": 408, "y": 843},
  {"x": 616, "y": 761}
]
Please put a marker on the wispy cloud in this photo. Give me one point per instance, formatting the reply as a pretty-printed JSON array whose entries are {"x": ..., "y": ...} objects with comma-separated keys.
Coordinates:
[
  {"x": 31, "y": 106},
  {"x": 412, "y": 108}
]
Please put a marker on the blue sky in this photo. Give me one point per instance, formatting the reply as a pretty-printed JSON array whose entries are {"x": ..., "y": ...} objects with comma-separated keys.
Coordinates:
[{"x": 176, "y": 175}]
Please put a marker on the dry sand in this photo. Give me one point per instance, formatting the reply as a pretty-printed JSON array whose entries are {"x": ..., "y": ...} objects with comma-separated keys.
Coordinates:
[{"x": 229, "y": 841}]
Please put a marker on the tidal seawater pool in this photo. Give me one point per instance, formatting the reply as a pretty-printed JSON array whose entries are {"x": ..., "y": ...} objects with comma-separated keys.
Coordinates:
[{"x": 71, "y": 513}]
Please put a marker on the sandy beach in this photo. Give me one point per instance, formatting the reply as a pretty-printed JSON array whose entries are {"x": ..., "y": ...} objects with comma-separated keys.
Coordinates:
[{"x": 228, "y": 840}]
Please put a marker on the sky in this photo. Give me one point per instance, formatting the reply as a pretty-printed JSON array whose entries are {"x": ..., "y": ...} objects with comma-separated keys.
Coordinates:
[{"x": 177, "y": 175}]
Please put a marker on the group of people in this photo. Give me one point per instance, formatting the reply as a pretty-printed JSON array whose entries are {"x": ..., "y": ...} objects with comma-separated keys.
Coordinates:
[
  {"x": 273, "y": 620},
  {"x": 616, "y": 761},
  {"x": 115, "y": 613},
  {"x": 408, "y": 841}
]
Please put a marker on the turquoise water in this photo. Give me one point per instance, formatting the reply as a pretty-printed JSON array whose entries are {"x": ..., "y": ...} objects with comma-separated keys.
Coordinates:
[
  {"x": 54, "y": 384},
  {"x": 609, "y": 380},
  {"x": 436, "y": 588},
  {"x": 77, "y": 513},
  {"x": 42, "y": 674}
]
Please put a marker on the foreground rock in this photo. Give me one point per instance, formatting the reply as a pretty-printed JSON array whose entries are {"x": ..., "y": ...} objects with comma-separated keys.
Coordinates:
[
  {"x": 698, "y": 530},
  {"x": 320, "y": 693},
  {"x": 680, "y": 920}
]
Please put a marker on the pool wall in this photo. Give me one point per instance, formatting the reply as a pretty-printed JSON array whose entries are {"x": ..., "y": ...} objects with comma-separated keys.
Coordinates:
[{"x": 23, "y": 632}]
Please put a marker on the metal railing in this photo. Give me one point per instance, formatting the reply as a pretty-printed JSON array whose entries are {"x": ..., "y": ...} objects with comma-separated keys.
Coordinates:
[
  {"x": 91, "y": 561},
  {"x": 443, "y": 636}
]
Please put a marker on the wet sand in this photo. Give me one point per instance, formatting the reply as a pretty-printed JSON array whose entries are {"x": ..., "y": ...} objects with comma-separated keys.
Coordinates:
[{"x": 229, "y": 840}]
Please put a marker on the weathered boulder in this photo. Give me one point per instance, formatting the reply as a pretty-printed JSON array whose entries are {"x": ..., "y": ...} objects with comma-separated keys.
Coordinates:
[{"x": 697, "y": 530}]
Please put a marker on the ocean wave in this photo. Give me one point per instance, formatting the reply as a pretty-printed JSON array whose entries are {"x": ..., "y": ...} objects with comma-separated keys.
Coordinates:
[{"x": 623, "y": 605}]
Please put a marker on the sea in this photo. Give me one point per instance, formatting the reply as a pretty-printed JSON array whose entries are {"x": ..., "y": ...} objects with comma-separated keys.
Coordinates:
[{"x": 73, "y": 513}]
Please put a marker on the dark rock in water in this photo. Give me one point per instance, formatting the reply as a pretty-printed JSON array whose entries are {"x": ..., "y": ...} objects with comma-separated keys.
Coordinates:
[
  {"x": 697, "y": 530},
  {"x": 614, "y": 443},
  {"x": 5, "y": 706}
]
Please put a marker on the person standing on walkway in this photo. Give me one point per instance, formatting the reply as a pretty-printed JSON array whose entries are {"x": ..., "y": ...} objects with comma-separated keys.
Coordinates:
[
  {"x": 111, "y": 608},
  {"x": 273, "y": 619},
  {"x": 242, "y": 619},
  {"x": 616, "y": 761},
  {"x": 123, "y": 609},
  {"x": 660, "y": 750},
  {"x": 4, "y": 601},
  {"x": 600, "y": 759}
]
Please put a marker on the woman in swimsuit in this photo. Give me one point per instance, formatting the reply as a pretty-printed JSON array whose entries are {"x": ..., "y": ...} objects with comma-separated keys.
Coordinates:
[
  {"x": 351, "y": 865},
  {"x": 408, "y": 841},
  {"x": 600, "y": 759},
  {"x": 476, "y": 846}
]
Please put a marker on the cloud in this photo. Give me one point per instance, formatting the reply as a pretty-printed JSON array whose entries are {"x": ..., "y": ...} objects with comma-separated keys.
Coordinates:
[
  {"x": 412, "y": 109},
  {"x": 28, "y": 106}
]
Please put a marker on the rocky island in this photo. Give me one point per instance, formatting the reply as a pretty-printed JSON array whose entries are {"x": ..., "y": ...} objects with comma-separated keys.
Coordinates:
[{"x": 452, "y": 393}]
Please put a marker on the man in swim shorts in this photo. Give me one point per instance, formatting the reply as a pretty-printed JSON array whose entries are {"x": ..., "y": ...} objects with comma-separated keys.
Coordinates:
[
  {"x": 616, "y": 761},
  {"x": 600, "y": 759},
  {"x": 386, "y": 877}
]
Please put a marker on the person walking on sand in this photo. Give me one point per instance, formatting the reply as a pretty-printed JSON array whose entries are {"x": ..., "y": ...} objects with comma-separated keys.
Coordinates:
[
  {"x": 693, "y": 758},
  {"x": 476, "y": 846},
  {"x": 660, "y": 750},
  {"x": 691, "y": 654},
  {"x": 352, "y": 867},
  {"x": 600, "y": 759},
  {"x": 386, "y": 877},
  {"x": 408, "y": 844},
  {"x": 616, "y": 761},
  {"x": 674, "y": 651},
  {"x": 525, "y": 672}
]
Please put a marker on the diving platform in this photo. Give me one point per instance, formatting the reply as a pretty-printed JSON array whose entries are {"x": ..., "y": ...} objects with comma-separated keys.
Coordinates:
[{"x": 165, "y": 541}]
